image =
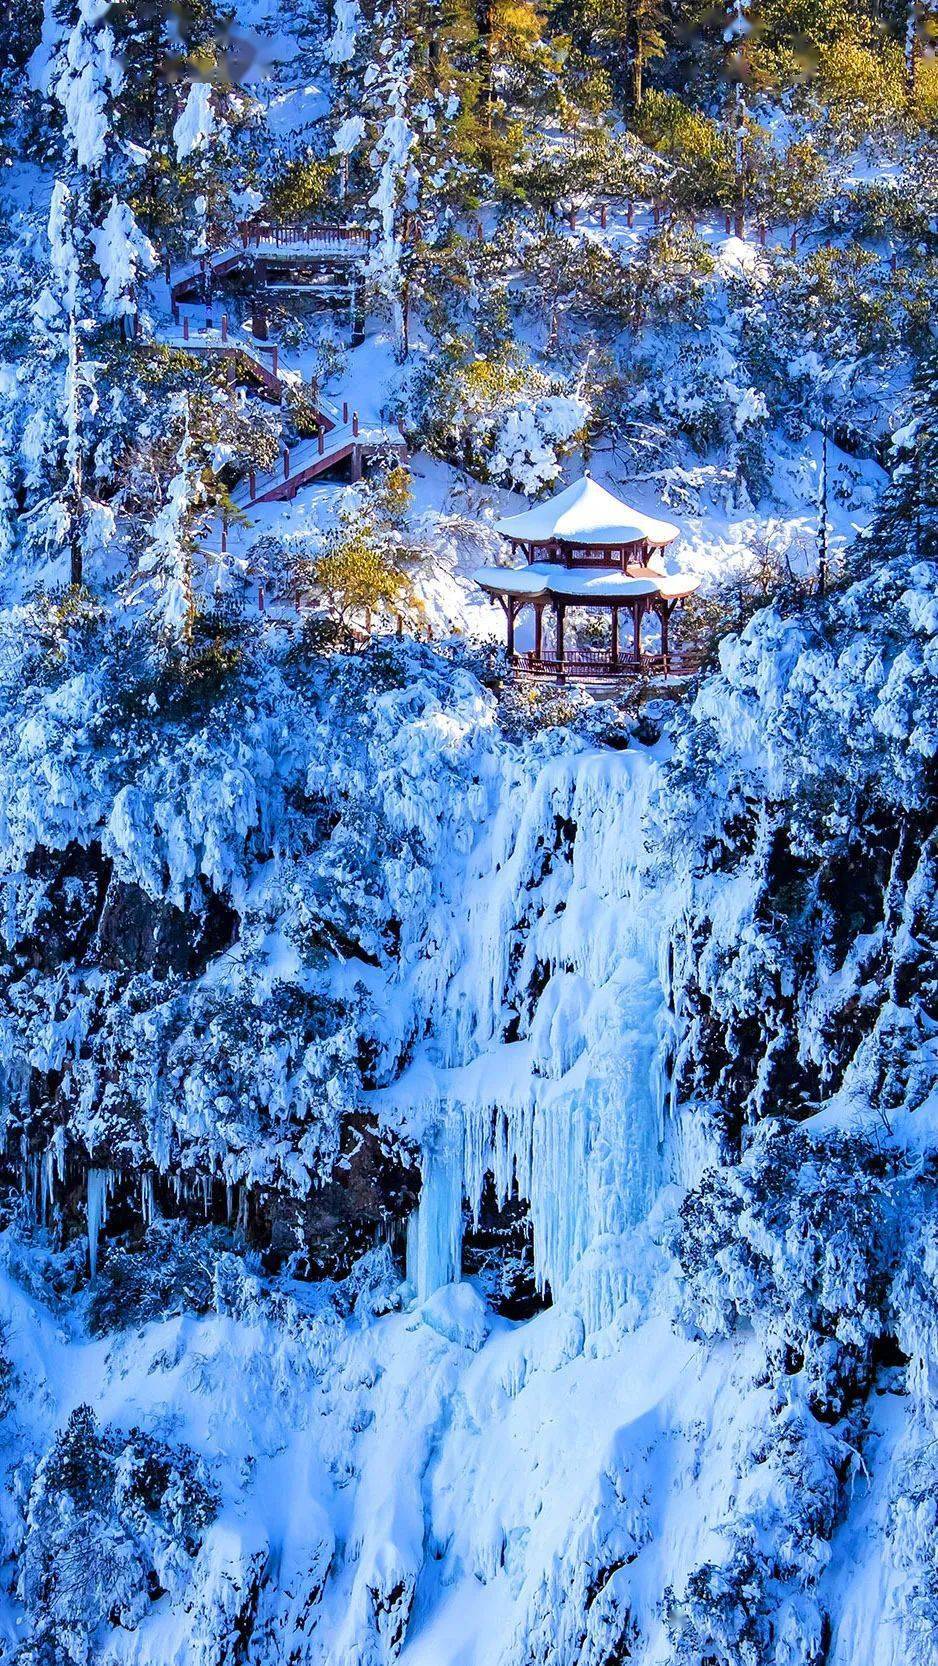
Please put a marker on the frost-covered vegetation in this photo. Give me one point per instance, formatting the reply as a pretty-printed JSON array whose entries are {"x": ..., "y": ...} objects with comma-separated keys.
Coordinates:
[{"x": 469, "y": 1182}]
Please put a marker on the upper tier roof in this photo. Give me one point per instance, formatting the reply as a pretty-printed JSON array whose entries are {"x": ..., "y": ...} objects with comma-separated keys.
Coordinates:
[{"x": 585, "y": 513}]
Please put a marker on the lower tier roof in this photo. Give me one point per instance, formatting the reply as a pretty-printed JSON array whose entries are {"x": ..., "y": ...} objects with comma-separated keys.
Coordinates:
[{"x": 547, "y": 580}]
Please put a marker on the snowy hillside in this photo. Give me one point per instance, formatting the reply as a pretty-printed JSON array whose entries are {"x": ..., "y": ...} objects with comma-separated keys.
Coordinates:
[{"x": 469, "y": 1180}]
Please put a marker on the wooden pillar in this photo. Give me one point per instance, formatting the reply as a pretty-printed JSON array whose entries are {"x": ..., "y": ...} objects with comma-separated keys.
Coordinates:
[
  {"x": 665, "y": 619},
  {"x": 559, "y": 611},
  {"x": 538, "y": 628},
  {"x": 615, "y": 636},
  {"x": 511, "y": 627},
  {"x": 637, "y": 631}
]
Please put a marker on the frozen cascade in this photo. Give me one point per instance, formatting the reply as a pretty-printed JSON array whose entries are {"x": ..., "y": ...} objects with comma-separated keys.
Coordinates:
[
  {"x": 552, "y": 1073},
  {"x": 100, "y": 1186}
]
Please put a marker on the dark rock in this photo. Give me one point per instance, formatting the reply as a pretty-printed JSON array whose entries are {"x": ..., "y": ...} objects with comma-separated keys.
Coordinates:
[
  {"x": 499, "y": 1253},
  {"x": 138, "y": 933},
  {"x": 374, "y": 1187}
]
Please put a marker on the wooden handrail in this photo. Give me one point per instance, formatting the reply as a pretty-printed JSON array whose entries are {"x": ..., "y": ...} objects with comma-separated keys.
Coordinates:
[
  {"x": 587, "y": 665},
  {"x": 284, "y": 233}
]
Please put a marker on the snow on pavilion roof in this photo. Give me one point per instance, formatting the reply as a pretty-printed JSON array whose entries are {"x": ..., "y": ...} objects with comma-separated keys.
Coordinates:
[
  {"x": 544, "y": 579},
  {"x": 585, "y": 513}
]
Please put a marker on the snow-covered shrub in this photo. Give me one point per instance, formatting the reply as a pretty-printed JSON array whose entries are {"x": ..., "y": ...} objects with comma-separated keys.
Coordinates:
[
  {"x": 914, "y": 1302},
  {"x": 799, "y": 1241},
  {"x": 504, "y": 420},
  {"x": 167, "y": 1271},
  {"x": 912, "y": 1538},
  {"x": 112, "y": 1522},
  {"x": 757, "y": 1604}
]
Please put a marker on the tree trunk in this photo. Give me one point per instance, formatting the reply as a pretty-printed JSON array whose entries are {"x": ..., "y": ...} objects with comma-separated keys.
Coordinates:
[{"x": 633, "y": 57}]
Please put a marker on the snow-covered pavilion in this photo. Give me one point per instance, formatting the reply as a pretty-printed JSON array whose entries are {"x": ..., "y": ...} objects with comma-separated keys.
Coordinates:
[{"x": 586, "y": 548}]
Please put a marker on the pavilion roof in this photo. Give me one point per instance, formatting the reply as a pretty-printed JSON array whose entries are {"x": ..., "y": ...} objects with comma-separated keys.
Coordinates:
[
  {"x": 542, "y": 580},
  {"x": 585, "y": 513}
]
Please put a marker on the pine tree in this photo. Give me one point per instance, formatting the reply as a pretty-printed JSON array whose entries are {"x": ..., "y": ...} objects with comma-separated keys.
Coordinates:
[
  {"x": 399, "y": 115},
  {"x": 165, "y": 578}
]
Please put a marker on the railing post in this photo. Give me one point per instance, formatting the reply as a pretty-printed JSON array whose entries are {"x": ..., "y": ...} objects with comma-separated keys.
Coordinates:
[
  {"x": 252, "y": 484},
  {"x": 224, "y": 326},
  {"x": 185, "y": 328},
  {"x": 320, "y": 441},
  {"x": 630, "y": 212},
  {"x": 603, "y": 213},
  {"x": 286, "y": 463},
  {"x": 224, "y": 537},
  {"x": 275, "y": 358},
  {"x": 355, "y": 423},
  {"x": 794, "y": 241}
]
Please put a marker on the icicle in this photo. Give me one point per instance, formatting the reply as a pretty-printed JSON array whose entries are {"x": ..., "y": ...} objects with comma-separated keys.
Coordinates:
[
  {"x": 434, "y": 1231},
  {"x": 230, "y": 1192},
  {"x": 100, "y": 1186},
  {"x": 147, "y": 1197},
  {"x": 48, "y": 1183},
  {"x": 206, "y": 1195},
  {"x": 58, "y": 1149},
  {"x": 242, "y": 1222}
]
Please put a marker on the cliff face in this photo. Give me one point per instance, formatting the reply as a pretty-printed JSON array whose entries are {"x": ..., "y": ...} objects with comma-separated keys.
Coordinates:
[{"x": 326, "y": 978}]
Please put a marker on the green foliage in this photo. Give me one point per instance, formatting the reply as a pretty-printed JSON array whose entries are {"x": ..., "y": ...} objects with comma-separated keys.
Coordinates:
[
  {"x": 697, "y": 146},
  {"x": 302, "y": 189},
  {"x": 862, "y": 87}
]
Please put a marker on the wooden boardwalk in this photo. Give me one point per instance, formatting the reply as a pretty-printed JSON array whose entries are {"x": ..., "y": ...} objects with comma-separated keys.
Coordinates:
[
  {"x": 264, "y": 246},
  {"x": 352, "y": 442}
]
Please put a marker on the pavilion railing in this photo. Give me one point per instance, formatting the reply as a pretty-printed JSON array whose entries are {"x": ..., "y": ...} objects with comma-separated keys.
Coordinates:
[
  {"x": 586, "y": 665},
  {"x": 283, "y": 235}
]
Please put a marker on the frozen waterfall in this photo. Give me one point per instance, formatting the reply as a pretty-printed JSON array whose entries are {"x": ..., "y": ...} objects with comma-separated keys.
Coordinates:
[{"x": 551, "y": 1072}]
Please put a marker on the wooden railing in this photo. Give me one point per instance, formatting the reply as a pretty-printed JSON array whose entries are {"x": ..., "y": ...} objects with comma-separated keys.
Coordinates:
[
  {"x": 587, "y": 665},
  {"x": 285, "y": 236}
]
